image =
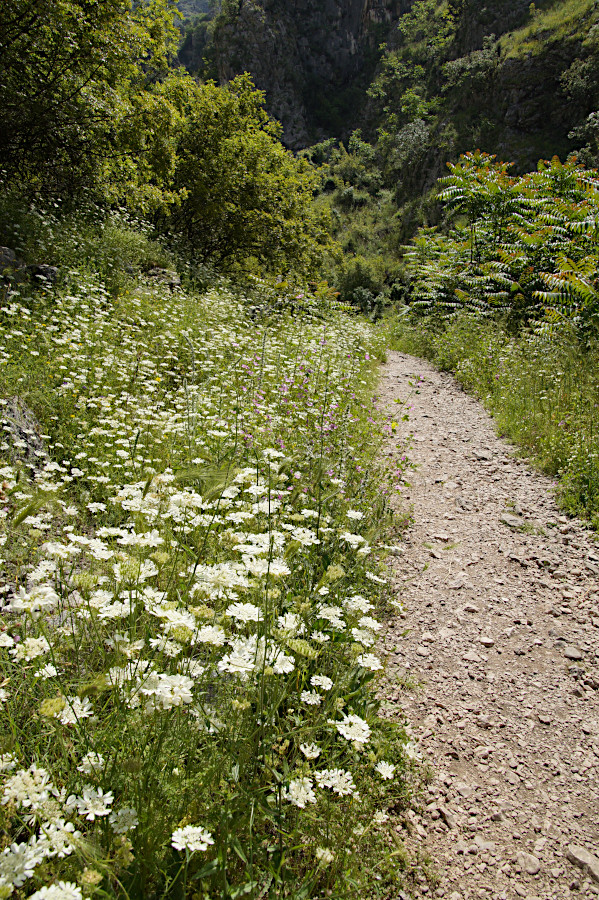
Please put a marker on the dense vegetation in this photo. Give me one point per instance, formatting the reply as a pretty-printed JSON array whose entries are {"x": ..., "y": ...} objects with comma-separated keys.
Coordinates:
[
  {"x": 525, "y": 248},
  {"x": 191, "y": 506},
  {"x": 192, "y": 511},
  {"x": 193, "y": 514},
  {"x": 92, "y": 113}
]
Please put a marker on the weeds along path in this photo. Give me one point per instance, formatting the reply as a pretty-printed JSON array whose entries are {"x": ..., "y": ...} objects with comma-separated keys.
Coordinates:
[{"x": 500, "y": 635}]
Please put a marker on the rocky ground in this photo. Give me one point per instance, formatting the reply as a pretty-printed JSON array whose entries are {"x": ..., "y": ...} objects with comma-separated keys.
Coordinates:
[{"x": 500, "y": 636}]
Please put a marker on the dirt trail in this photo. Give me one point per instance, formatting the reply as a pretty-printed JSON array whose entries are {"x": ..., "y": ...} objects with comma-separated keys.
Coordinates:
[{"x": 501, "y": 597}]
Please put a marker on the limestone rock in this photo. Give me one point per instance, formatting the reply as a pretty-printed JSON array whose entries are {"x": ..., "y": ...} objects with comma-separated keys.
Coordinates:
[{"x": 584, "y": 859}]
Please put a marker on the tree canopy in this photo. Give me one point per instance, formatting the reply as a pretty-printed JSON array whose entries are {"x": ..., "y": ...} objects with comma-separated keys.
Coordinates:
[{"x": 92, "y": 109}]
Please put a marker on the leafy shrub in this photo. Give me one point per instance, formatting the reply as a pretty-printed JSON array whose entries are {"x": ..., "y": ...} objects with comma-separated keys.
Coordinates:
[
  {"x": 524, "y": 248},
  {"x": 360, "y": 273}
]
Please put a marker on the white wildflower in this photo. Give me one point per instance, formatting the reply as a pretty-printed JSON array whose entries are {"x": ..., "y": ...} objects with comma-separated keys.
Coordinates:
[
  {"x": 211, "y": 634},
  {"x": 31, "y": 648},
  {"x": 39, "y": 599},
  {"x": 75, "y": 709},
  {"x": 62, "y": 890},
  {"x": 123, "y": 820},
  {"x": 386, "y": 770},
  {"x": 192, "y": 838},
  {"x": 91, "y": 762},
  {"x": 357, "y": 603},
  {"x": 291, "y": 623},
  {"x": 310, "y": 751},
  {"x": 320, "y": 637},
  {"x": 380, "y": 817},
  {"x": 167, "y": 691},
  {"x": 280, "y": 662},
  {"x": 59, "y": 838},
  {"x": 370, "y": 661},
  {"x": 7, "y": 762},
  {"x": 377, "y": 580},
  {"x": 370, "y": 623},
  {"x": 300, "y": 792},
  {"x": 363, "y": 636},
  {"x": 28, "y": 788},
  {"x": 245, "y": 612},
  {"x": 93, "y": 803},
  {"x": 352, "y": 728},
  {"x": 340, "y": 781},
  {"x": 312, "y": 698},
  {"x": 354, "y": 540},
  {"x": 321, "y": 681},
  {"x": 47, "y": 671},
  {"x": 18, "y": 862}
]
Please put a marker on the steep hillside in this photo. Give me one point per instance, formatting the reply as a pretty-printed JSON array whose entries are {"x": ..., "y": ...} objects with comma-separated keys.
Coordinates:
[{"x": 515, "y": 78}]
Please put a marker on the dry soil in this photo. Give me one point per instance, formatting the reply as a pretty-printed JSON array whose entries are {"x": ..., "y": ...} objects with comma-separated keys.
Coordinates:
[{"x": 500, "y": 635}]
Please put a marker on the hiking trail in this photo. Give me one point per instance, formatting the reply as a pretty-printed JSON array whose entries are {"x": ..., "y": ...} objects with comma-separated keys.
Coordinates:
[{"x": 500, "y": 633}]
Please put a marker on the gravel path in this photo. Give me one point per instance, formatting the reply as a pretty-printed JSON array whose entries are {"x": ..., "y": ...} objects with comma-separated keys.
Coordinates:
[{"x": 501, "y": 634}]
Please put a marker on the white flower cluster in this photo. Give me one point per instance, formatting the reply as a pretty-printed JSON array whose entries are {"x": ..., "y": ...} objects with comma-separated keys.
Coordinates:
[{"x": 174, "y": 601}]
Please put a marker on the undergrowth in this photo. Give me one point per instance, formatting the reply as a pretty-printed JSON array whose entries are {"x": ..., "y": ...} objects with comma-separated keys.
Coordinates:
[
  {"x": 542, "y": 389},
  {"x": 190, "y": 510}
]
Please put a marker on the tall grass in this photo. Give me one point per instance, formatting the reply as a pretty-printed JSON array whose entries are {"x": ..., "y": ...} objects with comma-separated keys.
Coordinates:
[
  {"x": 542, "y": 389},
  {"x": 190, "y": 510},
  {"x": 557, "y": 20}
]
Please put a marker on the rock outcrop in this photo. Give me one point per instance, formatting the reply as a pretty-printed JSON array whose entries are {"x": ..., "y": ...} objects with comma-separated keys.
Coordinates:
[{"x": 313, "y": 58}]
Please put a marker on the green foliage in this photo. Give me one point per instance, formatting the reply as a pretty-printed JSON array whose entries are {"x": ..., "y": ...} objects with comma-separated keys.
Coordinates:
[
  {"x": 197, "y": 529},
  {"x": 117, "y": 248},
  {"x": 364, "y": 222},
  {"x": 76, "y": 85},
  {"x": 559, "y": 21},
  {"x": 524, "y": 248},
  {"x": 95, "y": 118},
  {"x": 243, "y": 196}
]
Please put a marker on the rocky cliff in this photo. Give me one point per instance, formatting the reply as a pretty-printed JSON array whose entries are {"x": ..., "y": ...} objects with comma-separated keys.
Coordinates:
[{"x": 313, "y": 58}]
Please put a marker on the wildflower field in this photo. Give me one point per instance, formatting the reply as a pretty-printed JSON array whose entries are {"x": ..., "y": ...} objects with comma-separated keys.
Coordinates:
[{"x": 191, "y": 523}]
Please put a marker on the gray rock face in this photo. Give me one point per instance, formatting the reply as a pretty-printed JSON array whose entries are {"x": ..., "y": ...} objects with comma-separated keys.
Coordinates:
[
  {"x": 23, "y": 432},
  {"x": 303, "y": 53},
  {"x": 8, "y": 258},
  {"x": 44, "y": 274}
]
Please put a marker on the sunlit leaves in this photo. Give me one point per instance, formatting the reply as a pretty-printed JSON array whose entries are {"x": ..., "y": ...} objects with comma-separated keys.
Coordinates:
[{"x": 525, "y": 247}]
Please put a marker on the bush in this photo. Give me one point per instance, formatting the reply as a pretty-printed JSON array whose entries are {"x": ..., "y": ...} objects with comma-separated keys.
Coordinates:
[{"x": 243, "y": 195}]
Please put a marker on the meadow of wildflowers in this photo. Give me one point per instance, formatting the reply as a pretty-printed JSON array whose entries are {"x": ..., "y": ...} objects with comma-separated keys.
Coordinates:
[{"x": 189, "y": 533}]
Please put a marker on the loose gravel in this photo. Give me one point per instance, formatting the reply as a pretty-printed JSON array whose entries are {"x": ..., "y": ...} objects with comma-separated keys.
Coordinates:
[{"x": 495, "y": 658}]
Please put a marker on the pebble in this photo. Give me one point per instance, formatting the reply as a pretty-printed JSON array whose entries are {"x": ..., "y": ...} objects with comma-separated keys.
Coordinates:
[
  {"x": 573, "y": 653},
  {"x": 528, "y": 863},
  {"x": 511, "y": 521},
  {"x": 585, "y": 860}
]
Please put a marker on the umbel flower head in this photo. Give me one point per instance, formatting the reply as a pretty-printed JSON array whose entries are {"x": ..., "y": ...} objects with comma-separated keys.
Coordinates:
[
  {"x": 353, "y": 728},
  {"x": 191, "y": 838}
]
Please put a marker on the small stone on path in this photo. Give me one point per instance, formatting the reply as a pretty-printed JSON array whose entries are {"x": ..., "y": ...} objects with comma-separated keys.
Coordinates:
[
  {"x": 528, "y": 863},
  {"x": 585, "y": 860}
]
